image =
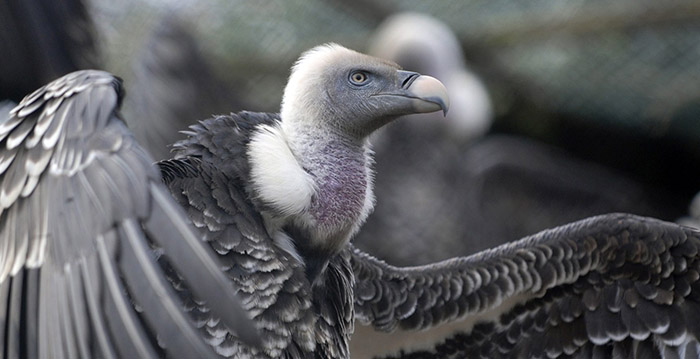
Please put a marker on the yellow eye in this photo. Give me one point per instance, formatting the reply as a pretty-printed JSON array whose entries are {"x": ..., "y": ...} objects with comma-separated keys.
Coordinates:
[{"x": 358, "y": 78}]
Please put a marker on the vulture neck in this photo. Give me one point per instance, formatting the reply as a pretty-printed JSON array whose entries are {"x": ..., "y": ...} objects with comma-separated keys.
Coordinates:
[
  {"x": 318, "y": 187},
  {"x": 341, "y": 171},
  {"x": 340, "y": 168}
]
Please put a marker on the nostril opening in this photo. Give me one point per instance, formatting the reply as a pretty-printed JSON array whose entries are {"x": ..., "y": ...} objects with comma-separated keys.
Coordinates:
[{"x": 408, "y": 81}]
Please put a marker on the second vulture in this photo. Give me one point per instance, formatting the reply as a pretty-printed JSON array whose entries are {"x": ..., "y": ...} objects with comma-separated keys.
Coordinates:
[{"x": 277, "y": 198}]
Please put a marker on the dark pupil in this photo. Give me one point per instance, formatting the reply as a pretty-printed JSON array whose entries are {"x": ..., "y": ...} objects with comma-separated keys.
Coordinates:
[{"x": 359, "y": 77}]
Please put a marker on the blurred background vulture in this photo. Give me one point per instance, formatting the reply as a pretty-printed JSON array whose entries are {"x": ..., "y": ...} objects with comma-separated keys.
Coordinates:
[
  {"x": 167, "y": 68},
  {"x": 579, "y": 109},
  {"x": 445, "y": 180}
]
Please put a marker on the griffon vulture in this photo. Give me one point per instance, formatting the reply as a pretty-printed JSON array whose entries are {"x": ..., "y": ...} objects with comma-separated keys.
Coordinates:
[{"x": 277, "y": 197}]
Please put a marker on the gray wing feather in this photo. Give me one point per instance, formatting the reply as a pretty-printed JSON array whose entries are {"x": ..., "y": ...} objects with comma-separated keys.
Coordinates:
[
  {"x": 154, "y": 294},
  {"x": 130, "y": 337},
  {"x": 81, "y": 208},
  {"x": 607, "y": 284}
]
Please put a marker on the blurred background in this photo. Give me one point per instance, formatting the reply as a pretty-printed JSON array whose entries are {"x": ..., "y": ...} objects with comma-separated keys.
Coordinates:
[{"x": 560, "y": 110}]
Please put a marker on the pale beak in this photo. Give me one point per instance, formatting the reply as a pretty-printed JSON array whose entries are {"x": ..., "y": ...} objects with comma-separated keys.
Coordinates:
[{"x": 427, "y": 92}]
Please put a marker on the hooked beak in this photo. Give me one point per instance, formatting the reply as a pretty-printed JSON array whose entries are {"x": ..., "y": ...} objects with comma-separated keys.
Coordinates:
[
  {"x": 427, "y": 94},
  {"x": 415, "y": 93}
]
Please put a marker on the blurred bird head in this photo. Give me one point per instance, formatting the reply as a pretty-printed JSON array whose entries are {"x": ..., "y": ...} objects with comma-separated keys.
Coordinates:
[{"x": 424, "y": 44}]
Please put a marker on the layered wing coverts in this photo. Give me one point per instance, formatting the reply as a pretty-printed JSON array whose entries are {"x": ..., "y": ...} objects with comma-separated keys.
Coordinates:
[
  {"x": 609, "y": 286},
  {"x": 84, "y": 219}
]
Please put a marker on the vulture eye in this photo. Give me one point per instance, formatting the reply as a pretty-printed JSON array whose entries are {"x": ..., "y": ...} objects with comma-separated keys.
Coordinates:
[{"x": 358, "y": 78}]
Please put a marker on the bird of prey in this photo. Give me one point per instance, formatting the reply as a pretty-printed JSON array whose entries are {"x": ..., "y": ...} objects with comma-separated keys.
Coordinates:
[
  {"x": 89, "y": 237},
  {"x": 278, "y": 197}
]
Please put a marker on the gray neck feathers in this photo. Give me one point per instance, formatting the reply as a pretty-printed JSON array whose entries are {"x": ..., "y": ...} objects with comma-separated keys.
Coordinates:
[
  {"x": 339, "y": 168},
  {"x": 338, "y": 163}
]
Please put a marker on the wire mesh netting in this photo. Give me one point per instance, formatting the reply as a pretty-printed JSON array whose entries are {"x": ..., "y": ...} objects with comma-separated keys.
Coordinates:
[{"x": 633, "y": 63}]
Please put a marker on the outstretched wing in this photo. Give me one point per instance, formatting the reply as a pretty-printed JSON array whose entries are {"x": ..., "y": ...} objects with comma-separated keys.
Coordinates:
[
  {"x": 608, "y": 286},
  {"x": 84, "y": 218}
]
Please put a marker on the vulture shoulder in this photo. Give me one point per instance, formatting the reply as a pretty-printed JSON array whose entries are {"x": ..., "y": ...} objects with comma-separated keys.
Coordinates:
[
  {"x": 210, "y": 178},
  {"x": 84, "y": 220},
  {"x": 610, "y": 286}
]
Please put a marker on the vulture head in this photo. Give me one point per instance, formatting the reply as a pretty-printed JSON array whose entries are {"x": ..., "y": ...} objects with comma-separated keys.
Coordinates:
[
  {"x": 313, "y": 170},
  {"x": 354, "y": 94}
]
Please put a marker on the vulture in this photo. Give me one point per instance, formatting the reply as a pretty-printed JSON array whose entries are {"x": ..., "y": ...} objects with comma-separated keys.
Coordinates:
[
  {"x": 277, "y": 198},
  {"x": 445, "y": 179}
]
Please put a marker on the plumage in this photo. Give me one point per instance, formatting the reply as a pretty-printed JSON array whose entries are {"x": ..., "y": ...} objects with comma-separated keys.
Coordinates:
[
  {"x": 613, "y": 285},
  {"x": 83, "y": 216}
]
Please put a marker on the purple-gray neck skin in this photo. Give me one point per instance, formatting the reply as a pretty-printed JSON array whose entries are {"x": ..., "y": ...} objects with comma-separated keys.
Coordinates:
[
  {"x": 342, "y": 174},
  {"x": 313, "y": 170}
]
